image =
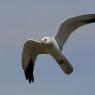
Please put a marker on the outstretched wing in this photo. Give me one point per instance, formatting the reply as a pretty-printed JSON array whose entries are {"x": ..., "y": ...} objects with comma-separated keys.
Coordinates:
[
  {"x": 65, "y": 65},
  {"x": 71, "y": 24},
  {"x": 30, "y": 51}
]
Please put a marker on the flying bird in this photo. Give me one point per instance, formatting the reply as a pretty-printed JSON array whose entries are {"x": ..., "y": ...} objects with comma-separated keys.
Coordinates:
[{"x": 53, "y": 45}]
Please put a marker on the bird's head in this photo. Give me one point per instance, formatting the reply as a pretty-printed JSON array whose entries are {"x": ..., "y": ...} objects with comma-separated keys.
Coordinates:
[{"x": 46, "y": 41}]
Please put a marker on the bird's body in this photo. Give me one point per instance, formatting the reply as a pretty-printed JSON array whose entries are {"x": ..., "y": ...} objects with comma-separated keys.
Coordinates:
[
  {"x": 53, "y": 49},
  {"x": 53, "y": 45}
]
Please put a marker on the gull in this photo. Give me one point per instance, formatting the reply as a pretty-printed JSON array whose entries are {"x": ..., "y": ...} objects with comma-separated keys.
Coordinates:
[{"x": 53, "y": 46}]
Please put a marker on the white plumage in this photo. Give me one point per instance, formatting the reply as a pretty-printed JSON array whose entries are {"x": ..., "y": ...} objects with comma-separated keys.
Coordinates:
[{"x": 53, "y": 45}]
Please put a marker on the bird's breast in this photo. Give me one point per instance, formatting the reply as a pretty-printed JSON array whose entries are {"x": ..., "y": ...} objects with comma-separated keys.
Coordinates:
[{"x": 54, "y": 51}]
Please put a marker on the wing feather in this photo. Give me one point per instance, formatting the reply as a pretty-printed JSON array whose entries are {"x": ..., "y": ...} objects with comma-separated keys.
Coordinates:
[
  {"x": 71, "y": 24},
  {"x": 31, "y": 50}
]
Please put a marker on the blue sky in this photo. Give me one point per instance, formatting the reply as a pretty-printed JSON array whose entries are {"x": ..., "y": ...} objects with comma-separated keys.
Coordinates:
[{"x": 23, "y": 19}]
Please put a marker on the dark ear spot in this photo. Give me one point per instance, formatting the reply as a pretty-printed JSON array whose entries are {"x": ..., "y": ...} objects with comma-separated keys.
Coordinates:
[{"x": 45, "y": 40}]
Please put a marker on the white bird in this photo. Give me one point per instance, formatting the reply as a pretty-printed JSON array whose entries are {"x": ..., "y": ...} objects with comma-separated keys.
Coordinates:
[{"x": 53, "y": 45}]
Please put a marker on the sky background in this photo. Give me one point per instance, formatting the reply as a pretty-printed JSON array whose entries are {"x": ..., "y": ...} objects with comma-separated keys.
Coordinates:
[{"x": 23, "y": 19}]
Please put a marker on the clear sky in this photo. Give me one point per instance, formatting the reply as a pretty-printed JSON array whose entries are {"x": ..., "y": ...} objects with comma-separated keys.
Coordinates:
[{"x": 23, "y": 19}]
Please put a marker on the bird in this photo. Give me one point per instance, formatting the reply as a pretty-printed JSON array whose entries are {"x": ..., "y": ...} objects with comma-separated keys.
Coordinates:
[{"x": 53, "y": 45}]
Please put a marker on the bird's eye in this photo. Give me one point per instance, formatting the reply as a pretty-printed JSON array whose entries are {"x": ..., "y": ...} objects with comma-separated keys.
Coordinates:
[{"x": 45, "y": 39}]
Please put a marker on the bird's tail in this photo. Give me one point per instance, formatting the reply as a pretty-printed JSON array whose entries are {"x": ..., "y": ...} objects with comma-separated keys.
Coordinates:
[{"x": 65, "y": 65}]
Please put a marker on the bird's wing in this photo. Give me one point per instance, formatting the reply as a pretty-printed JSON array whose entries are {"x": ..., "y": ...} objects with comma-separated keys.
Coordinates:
[
  {"x": 71, "y": 24},
  {"x": 65, "y": 65},
  {"x": 30, "y": 51}
]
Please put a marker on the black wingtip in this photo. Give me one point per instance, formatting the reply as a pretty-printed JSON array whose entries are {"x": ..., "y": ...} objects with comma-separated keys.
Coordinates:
[
  {"x": 92, "y": 20},
  {"x": 29, "y": 72}
]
